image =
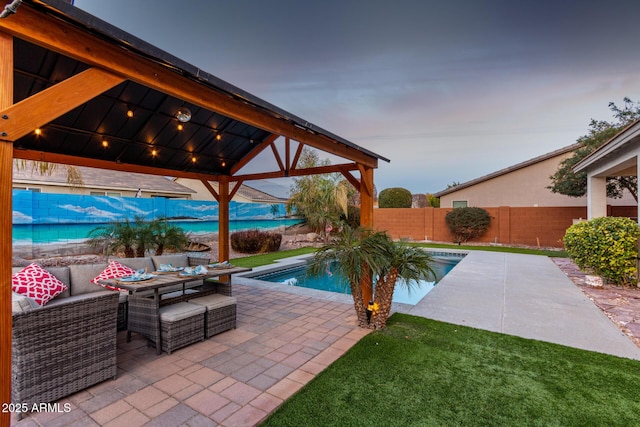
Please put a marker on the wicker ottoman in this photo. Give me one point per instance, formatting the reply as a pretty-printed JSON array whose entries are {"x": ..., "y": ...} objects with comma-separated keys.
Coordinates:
[
  {"x": 181, "y": 324},
  {"x": 221, "y": 313}
]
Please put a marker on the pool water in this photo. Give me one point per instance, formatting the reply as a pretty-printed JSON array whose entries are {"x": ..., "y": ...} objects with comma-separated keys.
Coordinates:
[{"x": 297, "y": 276}]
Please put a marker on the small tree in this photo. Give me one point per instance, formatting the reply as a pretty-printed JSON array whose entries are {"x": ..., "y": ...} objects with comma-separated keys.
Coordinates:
[
  {"x": 320, "y": 199},
  {"x": 467, "y": 223},
  {"x": 165, "y": 235},
  {"x": 395, "y": 198},
  {"x": 364, "y": 257},
  {"x": 114, "y": 237}
]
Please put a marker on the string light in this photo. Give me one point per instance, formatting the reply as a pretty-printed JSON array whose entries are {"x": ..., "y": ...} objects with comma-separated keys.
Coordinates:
[
  {"x": 105, "y": 143},
  {"x": 180, "y": 127},
  {"x": 38, "y": 131},
  {"x": 130, "y": 113},
  {"x": 193, "y": 159},
  {"x": 218, "y": 137},
  {"x": 154, "y": 152}
]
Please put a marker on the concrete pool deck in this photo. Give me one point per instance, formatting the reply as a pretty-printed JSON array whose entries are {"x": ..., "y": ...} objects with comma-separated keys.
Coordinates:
[
  {"x": 523, "y": 295},
  {"x": 516, "y": 294}
]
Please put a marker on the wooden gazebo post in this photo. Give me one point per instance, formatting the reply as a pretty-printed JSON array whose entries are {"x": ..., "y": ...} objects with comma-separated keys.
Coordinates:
[
  {"x": 223, "y": 219},
  {"x": 6, "y": 161},
  {"x": 366, "y": 219}
]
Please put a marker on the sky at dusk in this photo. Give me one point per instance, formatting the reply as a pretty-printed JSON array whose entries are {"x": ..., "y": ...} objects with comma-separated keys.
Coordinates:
[{"x": 447, "y": 90}]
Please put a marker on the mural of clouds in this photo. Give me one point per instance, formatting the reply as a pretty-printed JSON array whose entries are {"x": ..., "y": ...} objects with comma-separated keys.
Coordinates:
[
  {"x": 201, "y": 208},
  {"x": 20, "y": 218},
  {"x": 130, "y": 206},
  {"x": 91, "y": 211}
]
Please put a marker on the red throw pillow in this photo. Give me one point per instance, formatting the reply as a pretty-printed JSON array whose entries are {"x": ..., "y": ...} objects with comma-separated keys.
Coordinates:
[
  {"x": 37, "y": 283},
  {"x": 113, "y": 271}
]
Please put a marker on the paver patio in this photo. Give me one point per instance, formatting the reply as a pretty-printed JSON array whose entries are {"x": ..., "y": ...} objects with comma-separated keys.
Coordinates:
[{"x": 237, "y": 378}]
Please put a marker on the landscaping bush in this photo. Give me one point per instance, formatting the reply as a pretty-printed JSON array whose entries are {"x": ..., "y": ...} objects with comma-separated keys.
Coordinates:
[
  {"x": 467, "y": 223},
  {"x": 607, "y": 247},
  {"x": 395, "y": 198},
  {"x": 255, "y": 241}
]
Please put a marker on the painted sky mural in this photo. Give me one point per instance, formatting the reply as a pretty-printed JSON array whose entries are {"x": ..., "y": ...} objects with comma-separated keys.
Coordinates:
[{"x": 49, "y": 218}]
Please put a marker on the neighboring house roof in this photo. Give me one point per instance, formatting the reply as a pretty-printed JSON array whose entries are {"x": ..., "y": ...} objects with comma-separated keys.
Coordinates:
[
  {"x": 509, "y": 169},
  {"x": 101, "y": 178},
  {"x": 245, "y": 192},
  {"x": 258, "y": 196}
]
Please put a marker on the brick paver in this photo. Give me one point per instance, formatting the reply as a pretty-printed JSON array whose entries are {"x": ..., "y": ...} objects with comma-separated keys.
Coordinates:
[{"x": 236, "y": 378}]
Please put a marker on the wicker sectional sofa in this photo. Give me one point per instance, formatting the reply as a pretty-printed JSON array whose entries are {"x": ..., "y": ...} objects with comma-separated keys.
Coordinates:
[{"x": 69, "y": 344}]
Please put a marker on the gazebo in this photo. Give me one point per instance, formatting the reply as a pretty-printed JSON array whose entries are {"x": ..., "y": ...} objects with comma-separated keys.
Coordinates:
[{"x": 76, "y": 90}]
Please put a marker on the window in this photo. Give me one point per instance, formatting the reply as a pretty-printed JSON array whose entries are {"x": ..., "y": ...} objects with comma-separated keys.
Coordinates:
[
  {"x": 107, "y": 193},
  {"x": 35, "y": 190},
  {"x": 459, "y": 203}
]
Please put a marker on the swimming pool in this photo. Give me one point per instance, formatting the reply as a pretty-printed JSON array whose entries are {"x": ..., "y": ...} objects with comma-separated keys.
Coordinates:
[{"x": 297, "y": 276}]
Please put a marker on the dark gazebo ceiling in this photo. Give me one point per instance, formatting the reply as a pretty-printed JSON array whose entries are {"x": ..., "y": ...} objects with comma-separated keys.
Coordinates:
[{"x": 101, "y": 129}]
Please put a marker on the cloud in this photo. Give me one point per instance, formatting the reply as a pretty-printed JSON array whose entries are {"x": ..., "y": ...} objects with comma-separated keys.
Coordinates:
[
  {"x": 20, "y": 218},
  {"x": 90, "y": 211}
]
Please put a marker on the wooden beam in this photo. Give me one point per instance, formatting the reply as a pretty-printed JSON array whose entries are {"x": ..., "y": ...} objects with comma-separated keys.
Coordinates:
[
  {"x": 352, "y": 179},
  {"x": 341, "y": 168},
  {"x": 212, "y": 190},
  {"x": 49, "y": 104},
  {"x": 368, "y": 184},
  {"x": 236, "y": 187},
  {"x": 41, "y": 156},
  {"x": 74, "y": 42},
  {"x": 223, "y": 220},
  {"x": 296, "y": 158},
  {"x": 277, "y": 156},
  {"x": 252, "y": 155},
  {"x": 366, "y": 198},
  {"x": 6, "y": 185},
  {"x": 287, "y": 153}
]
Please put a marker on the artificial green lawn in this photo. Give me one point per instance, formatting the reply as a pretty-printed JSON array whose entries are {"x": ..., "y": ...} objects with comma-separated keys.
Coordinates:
[
  {"x": 491, "y": 248},
  {"x": 253, "y": 261},
  {"x": 423, "y": 372}
]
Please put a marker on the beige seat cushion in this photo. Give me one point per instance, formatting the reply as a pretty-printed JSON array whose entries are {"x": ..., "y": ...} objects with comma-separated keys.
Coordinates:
[
  {"x": 180, "y": 311},
  {"x": 213, "y": 301}
]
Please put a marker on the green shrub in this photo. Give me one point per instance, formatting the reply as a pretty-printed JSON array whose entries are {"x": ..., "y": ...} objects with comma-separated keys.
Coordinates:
[
  {"x": 395, "y": 198},
  {"x": 255, "y": 241},
  {"x": 467, "y": 223},
  {"x": 607, "y": 247}
]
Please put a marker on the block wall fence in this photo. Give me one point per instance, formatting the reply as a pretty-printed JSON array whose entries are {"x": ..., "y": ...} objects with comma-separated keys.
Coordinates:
[{"x": 531, "y": 226}]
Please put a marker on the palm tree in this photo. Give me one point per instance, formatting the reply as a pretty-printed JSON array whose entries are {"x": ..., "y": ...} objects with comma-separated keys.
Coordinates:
[
  {"x": 166, "y": 235},
  {"x": 364, "y": 257},
  {"x": 408, "y": 263},
  {"x": 114, "y": 237},
  {"x": 353, "y": 255},
  {"x": 144, "y": 235}
]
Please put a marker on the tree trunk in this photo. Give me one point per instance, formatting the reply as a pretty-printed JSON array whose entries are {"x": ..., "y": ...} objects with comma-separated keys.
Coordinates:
[
  {"x": 383, "y": 298},
  {"x": 359, "y": 304},
  {"x": 128, "y": 252}
]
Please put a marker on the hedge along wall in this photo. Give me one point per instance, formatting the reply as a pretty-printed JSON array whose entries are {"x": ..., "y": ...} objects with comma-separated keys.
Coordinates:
[{"x": 541, "y": 226}]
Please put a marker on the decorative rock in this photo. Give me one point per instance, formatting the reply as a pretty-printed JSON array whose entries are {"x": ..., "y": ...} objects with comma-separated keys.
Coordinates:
[{"x": 594, "y": 281}]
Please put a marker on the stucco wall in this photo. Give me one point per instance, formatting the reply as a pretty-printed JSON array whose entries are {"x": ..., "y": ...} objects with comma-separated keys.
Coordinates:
[{"x": 526, "y": 187}]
